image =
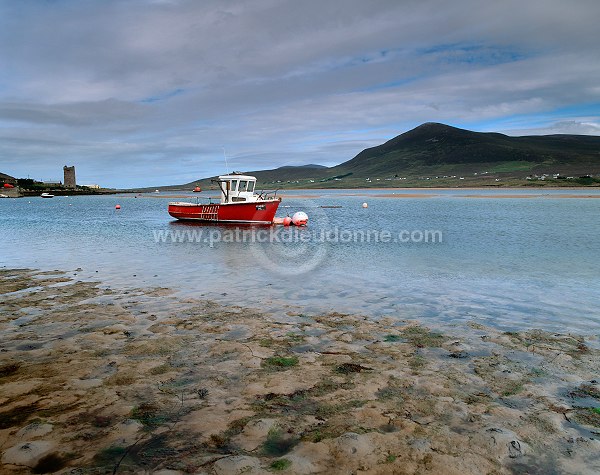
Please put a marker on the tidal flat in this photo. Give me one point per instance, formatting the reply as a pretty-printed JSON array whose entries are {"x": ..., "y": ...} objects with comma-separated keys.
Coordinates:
[{"x": 95, "y": 380}]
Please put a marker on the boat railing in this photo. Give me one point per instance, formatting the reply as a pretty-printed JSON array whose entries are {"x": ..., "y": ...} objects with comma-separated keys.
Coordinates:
[
  {"x": 209, "y": 198},
  {"x": 268, "y": 195}
]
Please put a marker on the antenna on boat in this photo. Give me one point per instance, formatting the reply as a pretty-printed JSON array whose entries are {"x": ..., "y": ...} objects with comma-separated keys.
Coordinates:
[{"x": 226, "y": 164}]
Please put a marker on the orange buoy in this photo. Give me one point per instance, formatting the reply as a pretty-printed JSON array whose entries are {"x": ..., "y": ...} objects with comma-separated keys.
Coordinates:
[
  {"x": 118, "y": 207},
  {"x": 287, "y": 221},
  {"x": 197, "y": 189}
]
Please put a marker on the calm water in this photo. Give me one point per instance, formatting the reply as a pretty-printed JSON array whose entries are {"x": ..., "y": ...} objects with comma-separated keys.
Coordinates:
[{"x": 510, "y": 262}]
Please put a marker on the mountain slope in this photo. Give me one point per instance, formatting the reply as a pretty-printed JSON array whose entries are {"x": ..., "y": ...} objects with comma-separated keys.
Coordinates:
[
  {"x": 283, "y": 174},
  {"x": 4, "y": 178},
  {"x": 434, "y": 145}
]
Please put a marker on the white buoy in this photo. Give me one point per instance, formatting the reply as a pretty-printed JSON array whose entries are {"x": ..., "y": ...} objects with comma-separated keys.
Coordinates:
[
  {"x": 365, "y": 205},
  {"x": 300, "y": 218}
]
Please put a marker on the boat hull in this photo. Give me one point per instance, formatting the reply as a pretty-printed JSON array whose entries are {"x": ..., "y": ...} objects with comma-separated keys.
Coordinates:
[{"x": 257, "y": 212}]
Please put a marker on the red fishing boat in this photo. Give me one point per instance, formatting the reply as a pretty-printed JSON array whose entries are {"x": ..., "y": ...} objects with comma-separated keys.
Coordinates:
[{"x": 238, "y": 204}]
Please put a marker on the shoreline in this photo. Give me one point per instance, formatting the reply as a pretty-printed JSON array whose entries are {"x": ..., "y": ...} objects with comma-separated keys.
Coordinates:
[
  {"x": 400, "y": 193},
  {"x": 392, "y": 188},
  {"x": 92, "y": 379}
]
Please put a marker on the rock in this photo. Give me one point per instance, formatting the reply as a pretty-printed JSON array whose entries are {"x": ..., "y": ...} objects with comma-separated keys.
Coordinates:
[
  {"x": 309, "y": 458},
  {"x": 115, "y": 329},
  {"x": 34, "y": 430},
  {"x": 346, "y": 338},
  {"x": 514, "y": 449},
  {"x": 27, "y": 453},
  {"x": 252, "y": 363},
  {"x": 238, "y": 464},
  {"x": 353, "y": 445},
  {"x": 86, "y": 383},
  {"x": 503, "y": 442},
  {"x": 370, "y": 417},
  {"x": 158, "y": 327},
  {"x": 18, "y": 388},
  {"x": 254, "y": 434}
]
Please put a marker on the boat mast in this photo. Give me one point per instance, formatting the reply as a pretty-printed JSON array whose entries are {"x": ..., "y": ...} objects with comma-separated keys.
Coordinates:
[{"x": 226, "y": 164}]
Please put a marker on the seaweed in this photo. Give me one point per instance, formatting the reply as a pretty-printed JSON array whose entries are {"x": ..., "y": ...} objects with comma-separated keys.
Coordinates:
[
  {"x": 423, "y": 337},
  {"x": 278, "y": 443},
  {"x": 16, "y": 416},
  {"x": 9, "y": 369},
  {"x": 280, "y": 362}
]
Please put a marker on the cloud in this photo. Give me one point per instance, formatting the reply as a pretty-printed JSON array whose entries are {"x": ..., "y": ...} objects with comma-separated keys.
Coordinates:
[
  {"x": 572, "y": 127},
  {"x": 158, "y": 88},
  {"x": 81, "y": 114}
]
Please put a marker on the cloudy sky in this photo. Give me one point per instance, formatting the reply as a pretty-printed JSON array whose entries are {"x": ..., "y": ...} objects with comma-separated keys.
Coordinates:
[{"x": 141, "y": 92}]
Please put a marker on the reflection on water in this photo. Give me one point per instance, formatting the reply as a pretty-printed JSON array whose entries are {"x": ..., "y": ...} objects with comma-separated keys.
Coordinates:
[{"x": 505, "y": 261}]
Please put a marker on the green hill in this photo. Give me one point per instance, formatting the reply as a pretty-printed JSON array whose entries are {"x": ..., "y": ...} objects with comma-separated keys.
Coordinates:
[
  {"x": 435, "y": 154},
  {"x": 432, "y": 146},
  {"x": 441, "y": 154},
  {"x": 4, "y": 178}
]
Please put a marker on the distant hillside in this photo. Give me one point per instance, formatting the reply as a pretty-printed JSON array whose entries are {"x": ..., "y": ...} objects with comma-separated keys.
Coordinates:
[
  {"x": 289, "y": 173},
  {"x": 284, "y": 174},
  {"x": 4, "y": 178},
  {"x": 435, "y": 154},
  {"x": 437, "y": 148}
]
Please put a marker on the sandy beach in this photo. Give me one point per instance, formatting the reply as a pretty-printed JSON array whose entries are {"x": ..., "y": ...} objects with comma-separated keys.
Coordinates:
[{"x": 95, "y": 380}]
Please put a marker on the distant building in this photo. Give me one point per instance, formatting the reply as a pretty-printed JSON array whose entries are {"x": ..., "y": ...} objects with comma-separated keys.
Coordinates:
[
  {"x": 93, "y": 186},
  {"x": 69, "y": 177}
]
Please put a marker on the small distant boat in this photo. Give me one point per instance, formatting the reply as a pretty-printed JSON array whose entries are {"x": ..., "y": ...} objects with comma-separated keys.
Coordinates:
[
  {"x": 238, "y": 204},
  {"x": 156, "y": 191},
  {"x": 3, "y": 196},
  {"x": 197, "y": 189},
  {"x": 47, "y": 195}
]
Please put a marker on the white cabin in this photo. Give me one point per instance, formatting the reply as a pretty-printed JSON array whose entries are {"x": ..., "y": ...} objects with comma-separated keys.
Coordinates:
[{"x": 236, "y": 188}]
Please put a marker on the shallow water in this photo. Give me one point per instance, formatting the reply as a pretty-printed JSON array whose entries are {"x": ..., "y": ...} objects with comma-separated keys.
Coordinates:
[{"x": 504, "y": 261}]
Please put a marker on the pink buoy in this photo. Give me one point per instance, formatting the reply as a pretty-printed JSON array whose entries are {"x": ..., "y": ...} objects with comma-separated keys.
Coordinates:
[
  {"x": 118, "y": 207},
  {"x": 287, "y": 221}
]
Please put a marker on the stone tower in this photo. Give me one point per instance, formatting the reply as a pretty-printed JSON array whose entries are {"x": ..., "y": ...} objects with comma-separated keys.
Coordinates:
[{"x": 69, "y": 177}]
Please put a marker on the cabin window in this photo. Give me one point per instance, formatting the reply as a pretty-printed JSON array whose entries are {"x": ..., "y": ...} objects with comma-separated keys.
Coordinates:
[
  {"x": 251, "y": 186},
  {"x": 243, "y": 185}
]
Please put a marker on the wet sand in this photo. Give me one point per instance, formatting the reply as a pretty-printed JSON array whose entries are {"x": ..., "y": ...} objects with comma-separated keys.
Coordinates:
[
  {"x": 552, "y": 196},
  {"x": 431, "y": 193},
  {"x": 406, "y": 195},
  {"x": 489, "y": 196},
  {"x": 96, "y": 380}
]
